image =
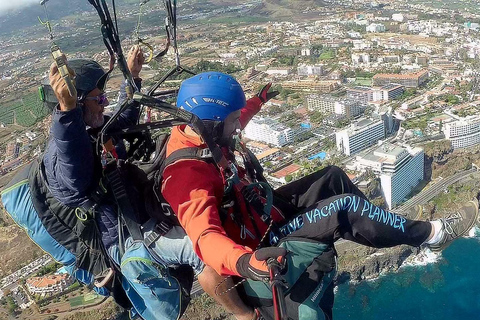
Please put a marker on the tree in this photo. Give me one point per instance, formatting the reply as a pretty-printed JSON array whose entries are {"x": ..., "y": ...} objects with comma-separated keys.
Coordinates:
[
  {"x": 288, "y": 178},
  {"x": 316, "y": 117},
  {"x": 11, "y": 305}
]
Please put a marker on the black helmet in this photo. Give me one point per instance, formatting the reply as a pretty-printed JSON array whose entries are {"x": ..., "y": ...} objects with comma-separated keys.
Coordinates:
[{"x": 88, "y": 76}]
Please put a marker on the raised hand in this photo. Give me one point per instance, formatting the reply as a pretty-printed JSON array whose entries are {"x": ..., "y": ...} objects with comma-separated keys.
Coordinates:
[
  {"x": 60, "y": 88},
  {"x": 135, "y": 60}
]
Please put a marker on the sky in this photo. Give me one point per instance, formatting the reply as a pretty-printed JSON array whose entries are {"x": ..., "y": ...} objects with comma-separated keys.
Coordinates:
[{"x": 6, "y": 5}]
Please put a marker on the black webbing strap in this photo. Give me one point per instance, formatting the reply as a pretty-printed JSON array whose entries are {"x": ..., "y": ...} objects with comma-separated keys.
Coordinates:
[
  {"x": 194, "y": 153},
  {"x": 125, "y": 207},
  {"x": 160, "y": 229}
]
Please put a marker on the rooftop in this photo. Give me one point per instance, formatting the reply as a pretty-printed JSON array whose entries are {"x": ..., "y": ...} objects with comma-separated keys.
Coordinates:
[
  {"x": 267, "y": 153},
  {"x": 282, "y": 173},
  {"x": 388, "y": 153},
  {"x": 401, "y": 76},
  {"x": 46, "y": 281}
]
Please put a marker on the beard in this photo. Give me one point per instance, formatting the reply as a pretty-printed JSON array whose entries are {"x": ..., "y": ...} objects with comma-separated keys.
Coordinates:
[{"x": 94, "y": 120}]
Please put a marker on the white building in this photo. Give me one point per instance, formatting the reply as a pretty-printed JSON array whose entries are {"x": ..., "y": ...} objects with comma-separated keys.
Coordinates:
[
  {"x": 269, "y": 131},
  {"x": 360, "y": 58},
  {"x": 49, "y": 284},
  {"x": 310, "y": 70},
  {"x": 387, "y": 92},
  {"x": 400, "y": 170},
  {"x": 360, "y": 135},
  {"x": 306, "y": 51},
  {"x": 279, "y": 71},
  {"x": 328, "y": 104},
  {"x": 463, "y": 133},
  {"x": 375, "y": 27},
  {"x": 398, "y": 17}
]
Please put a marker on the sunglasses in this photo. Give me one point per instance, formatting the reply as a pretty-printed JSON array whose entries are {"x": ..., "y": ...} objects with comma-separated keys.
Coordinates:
[{"x": 100, "y": 99}]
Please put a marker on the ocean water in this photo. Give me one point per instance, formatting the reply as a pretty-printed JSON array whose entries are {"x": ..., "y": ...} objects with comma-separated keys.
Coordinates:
[{"x": 446, "y": 289}]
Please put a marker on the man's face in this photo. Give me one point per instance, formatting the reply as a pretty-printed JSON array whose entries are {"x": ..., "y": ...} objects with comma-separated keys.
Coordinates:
[
  {"x": 95, "y": 103},
  {"x": 231, "y": 124}
]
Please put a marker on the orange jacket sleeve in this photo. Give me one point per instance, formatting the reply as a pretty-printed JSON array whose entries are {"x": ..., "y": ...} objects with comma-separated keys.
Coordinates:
[
  {"x": 194, "y": 189},
  {"x": 251, "y": 108}
]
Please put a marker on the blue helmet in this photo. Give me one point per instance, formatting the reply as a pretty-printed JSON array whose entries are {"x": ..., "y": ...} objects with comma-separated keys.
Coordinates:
[{"x": 211, "y": 95}]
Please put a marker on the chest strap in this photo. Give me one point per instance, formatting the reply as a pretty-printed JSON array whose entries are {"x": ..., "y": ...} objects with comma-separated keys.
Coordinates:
[{"x": 193, "y": 153}]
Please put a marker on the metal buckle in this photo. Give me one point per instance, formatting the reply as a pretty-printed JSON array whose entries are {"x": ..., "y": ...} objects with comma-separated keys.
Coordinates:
[
  {"x": 163, "y": 227},
  {"x": 159, "y": 230},
  {"x": 152, "y": 237},
  {"x": 206, "y": 153}
]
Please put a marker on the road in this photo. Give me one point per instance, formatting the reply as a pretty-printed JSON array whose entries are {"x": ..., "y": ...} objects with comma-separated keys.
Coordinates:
[{"x": 428, "y": 194}]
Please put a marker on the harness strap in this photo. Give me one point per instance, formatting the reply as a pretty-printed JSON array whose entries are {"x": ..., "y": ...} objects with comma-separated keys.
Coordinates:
[
  {"x": 125, "y": 207},
  {"x": 195, "y": 153},
  {"x": 161, "y": 228}
]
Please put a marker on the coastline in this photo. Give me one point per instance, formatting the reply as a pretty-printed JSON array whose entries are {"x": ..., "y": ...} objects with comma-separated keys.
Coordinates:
[{"x": 386, "y": 261}]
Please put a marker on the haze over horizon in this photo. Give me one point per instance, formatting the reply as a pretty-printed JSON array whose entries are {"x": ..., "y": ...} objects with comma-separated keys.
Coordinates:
[{"x": 7, "y": 6}]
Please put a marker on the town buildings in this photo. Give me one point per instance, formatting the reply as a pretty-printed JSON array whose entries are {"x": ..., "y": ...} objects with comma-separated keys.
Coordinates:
[{"x": 359, "y": 135}]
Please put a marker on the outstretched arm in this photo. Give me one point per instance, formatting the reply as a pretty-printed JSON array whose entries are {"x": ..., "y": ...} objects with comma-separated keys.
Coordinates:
[{"x": 255, "y": 103}]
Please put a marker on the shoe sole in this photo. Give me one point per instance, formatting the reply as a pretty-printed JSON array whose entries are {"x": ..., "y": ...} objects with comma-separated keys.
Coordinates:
[{"x": 475, "y": 216}]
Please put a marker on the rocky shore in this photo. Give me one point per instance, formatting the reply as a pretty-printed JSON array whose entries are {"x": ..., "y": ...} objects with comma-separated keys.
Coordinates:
[{"x": 357, "y": 263}]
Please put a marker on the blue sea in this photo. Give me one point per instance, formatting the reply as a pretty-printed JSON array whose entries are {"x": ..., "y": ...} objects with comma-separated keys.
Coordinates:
[{"x": 447, "y": 289}]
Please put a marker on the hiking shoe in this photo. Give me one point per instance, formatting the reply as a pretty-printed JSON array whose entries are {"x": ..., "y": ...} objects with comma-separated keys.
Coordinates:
[{"x": 457, "y": 225}]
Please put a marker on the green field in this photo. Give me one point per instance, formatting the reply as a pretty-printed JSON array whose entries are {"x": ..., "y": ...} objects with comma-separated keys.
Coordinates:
[
  {"x": 327, "y": 55},
  {"x": 363, "y": 81},
  {"x": 88, "y": 298},
  {"x": 25, "y": 111},
  {"x": 76, "y": 301}
]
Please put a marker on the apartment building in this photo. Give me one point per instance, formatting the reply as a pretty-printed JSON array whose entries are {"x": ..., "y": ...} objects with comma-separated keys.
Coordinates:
[
  {"x": 463, "y": 133},
  {"x": 50, "y": 284},
  {"x": 400, "y": 170},
  {"x": 328, "y": 104},
  {"x": 269, "y": 131},
  {"x": 387, "y": 92},
  {"x": 360, "y": 135},
  {"x": 375, "y": 27},
  {"x": 409, "y": 80},
  {"x": 319, "y": 86},
  {"x": 310, "y": 70}
]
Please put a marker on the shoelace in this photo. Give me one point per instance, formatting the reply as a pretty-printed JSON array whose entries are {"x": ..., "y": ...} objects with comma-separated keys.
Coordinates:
[{"x": 450, "y": 221}]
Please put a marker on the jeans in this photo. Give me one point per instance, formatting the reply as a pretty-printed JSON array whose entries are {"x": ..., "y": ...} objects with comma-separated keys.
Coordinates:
[{"x": 174, "y": 248}]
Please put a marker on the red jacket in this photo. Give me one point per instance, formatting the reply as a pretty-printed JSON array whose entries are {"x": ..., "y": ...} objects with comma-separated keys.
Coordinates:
[{"x": 195, "y": 190}]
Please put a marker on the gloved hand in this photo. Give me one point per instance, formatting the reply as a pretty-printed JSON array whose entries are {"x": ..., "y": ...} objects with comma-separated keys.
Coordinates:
[
  {"x": 254, "y": 265},
  {"x": 264, "y": 95}
]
